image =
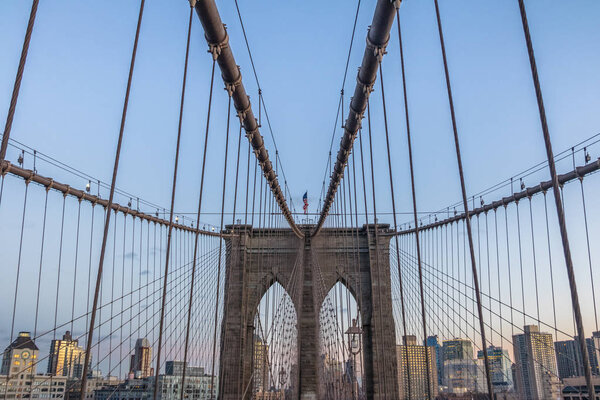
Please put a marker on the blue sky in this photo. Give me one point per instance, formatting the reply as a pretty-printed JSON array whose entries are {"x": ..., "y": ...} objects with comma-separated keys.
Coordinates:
[
  {"x": 74, "y": 83},
  {"x": 72, "y": 92}
]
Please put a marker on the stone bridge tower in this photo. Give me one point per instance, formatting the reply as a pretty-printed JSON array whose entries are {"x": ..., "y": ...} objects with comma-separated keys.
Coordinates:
[{"x": 307, "y": 269}]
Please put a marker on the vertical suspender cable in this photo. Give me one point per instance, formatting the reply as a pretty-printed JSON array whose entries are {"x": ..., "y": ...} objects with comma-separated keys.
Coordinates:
[
  {"x": 39, "y": 284},
  {"x": 383, "y": 355},
  {"x": 589, "y": 254},
  {"x": 465, "y": 204},
  {"x": 17, "y": 86},
  {"x": 414, "y": 198},
  {"x": 402, "y": 305},
  {"x": 557, "y": 198},
  {"x": 170, "y": 231},
  {"x": 12, "y": 325},
  {"x": 189, "y": 311},
  {"x": 219, "y": 261},
  {"x": 108, "y": 207}
]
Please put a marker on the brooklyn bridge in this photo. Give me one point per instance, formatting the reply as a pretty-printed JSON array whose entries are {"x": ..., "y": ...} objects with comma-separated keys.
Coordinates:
[{"x": 402, "y": 279}]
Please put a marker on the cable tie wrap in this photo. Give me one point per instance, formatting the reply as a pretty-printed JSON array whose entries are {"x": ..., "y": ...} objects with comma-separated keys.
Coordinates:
[
  {"x": 231, "y": 86},
  {"x": 378, "y": 50},
  {"x": 216, "y": 48},
  {"x": 367, "y": 88}
]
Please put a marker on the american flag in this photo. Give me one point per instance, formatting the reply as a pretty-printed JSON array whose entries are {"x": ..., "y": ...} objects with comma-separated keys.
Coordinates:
[{"x": 305, "y": 200}]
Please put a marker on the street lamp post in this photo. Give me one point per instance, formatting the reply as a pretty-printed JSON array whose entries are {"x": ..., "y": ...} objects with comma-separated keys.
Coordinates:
[{"x": 354, "y": 346}]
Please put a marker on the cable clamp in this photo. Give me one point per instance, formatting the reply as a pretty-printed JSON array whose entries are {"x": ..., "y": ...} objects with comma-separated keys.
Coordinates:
[
  {"x": 216, "y": 48},
  {"x": 250, "y": 136},
  {"x": 242, "y": 113},
  {"x": 366, "y": 87},
  {"x": 359, "y": 114},
  {"x": 396, "y": 3},
  {"x": 192, "y": 3},
  {"x": 230, "y": 86},
  {"x": 378, "y": 50}
]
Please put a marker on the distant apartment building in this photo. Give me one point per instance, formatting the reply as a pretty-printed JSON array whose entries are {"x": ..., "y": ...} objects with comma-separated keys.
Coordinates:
[
  {"x": 535, "y": 365},
  {"x": 66, "y": 357},
  {"x": 432, "y": 341},
  {"x": 460, "y": 370},
  {"x": 457, "y": 349},
  {"x": 413, "y": 363},
  {"x": 500, "y": 368},
  {"x": 569, "y": 360}
]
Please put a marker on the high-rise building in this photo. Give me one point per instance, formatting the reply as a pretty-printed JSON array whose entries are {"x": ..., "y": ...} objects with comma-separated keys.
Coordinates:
[
  {"x": 432, "y": 341},
  {"x": 66, "y": 357},
  {"x": 500, "y": 371},
  {"x": 460, "y": 369},
  {"x": 413, "y": 360},
  {"x": 593, "y": 346},
  {"x": 568, "y": 358},
  {"x": 459, "y": 354},
  {"x": 141, "y": 360},
  {"x": 261, "y": 365},
  {"x": 457, "y": 349},
  {"x": 20, "y": 357},
  {"x": 536, "y": 371},
  {"x": 460, "y": 376}
]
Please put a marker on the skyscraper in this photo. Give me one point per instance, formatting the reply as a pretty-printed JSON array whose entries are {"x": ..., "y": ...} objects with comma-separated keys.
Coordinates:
[
  {"x": 568, "y": 358},
  {"x": 500, "y": 370},
  {"x": 66, "y": 357},
  {"x": 20, "y": 356},
  {"x": 432, "y": 341},
  {"x": 593, "y": 346},
  {"x": 457, "y": 349},
  {"x": 458, "y": 365},
  {"x": 141, "y": 360},
  {"x": 412, "y": 360},
  {"x": 536, "y": 372}
]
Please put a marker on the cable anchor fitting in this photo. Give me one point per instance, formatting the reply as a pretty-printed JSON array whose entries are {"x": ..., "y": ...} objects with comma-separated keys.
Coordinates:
[
  {"x": 367, "y": 88},
  {"x": 231, "y": 86},
  {"x": 378, "y": 50},
  {"x": 216, "y": 48},
  {"x": 242, "y": 113},
  {"x": 396, "y": 3}
]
